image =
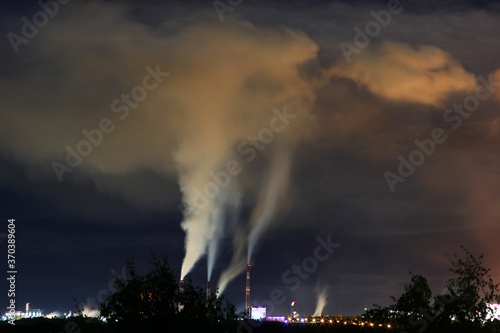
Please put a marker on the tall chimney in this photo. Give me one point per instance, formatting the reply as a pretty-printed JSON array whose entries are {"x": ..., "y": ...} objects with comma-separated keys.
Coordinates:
[
  {"x": 208, "y": 292},
  {"x": 181, "y": 290},
  {"x": 181, "y": 286},
  {"x": 247, "y": 293}
]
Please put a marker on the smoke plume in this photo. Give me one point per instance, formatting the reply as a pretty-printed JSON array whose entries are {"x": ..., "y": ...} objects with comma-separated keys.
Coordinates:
[
  {"x": 322, "y": 300},
  {"x": 224, "y": 80},
  {"x": 248, "y": 236},
  {"x": 224, "y": 221},
  {"x": 237, "y": 264},
  {"x": 209, "y": 145},
  {"x": 277, "y": 183},
  {"x": 54, "y": 314}
]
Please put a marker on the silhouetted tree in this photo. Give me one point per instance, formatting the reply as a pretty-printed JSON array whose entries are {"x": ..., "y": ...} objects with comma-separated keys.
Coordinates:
[
  {"x": 463, "y": 309},
  {"x": 470, "y": 290},
  {"x": 379, "y": 314},
  {"x": 409, "y": 309},
  {"x": 414, "y": 304},
  {"x": 145, "y": 302}
]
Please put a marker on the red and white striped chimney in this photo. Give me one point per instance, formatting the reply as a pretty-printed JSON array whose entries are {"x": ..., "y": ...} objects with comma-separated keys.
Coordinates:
[
  {"x": 208, "y": 292},
  {"x": 181, "y": 286},
  {"x": 247, "y": 293}
]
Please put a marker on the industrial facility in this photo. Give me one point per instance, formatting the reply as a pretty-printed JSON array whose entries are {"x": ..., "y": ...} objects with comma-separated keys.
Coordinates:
[
  {"x": 29, "y": 313},
  {"x": 32, "y": 313}
]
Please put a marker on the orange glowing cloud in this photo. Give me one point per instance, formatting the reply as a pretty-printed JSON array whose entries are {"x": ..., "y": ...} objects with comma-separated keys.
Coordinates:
[{"x": 424, "y": 75}]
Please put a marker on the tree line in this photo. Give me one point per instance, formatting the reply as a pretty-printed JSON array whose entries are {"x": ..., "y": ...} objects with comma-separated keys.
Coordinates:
[
  {"x": 462, "y": 307},
  {"x": 154, "y": 302}
]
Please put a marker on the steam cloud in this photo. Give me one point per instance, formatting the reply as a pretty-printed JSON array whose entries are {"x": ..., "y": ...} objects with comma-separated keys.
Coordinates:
[
  {"x": 204, "y": 154},
  {"x": 54, "y": 314},
  {"x": 266, "y": 207},
  {"x": 237, "y": 264},
  {"x": 89, "y": 311},
  {"x": 223, "y": 83},
  {"x": 322, "y": 301},
  {"x": 276, "y": 184}
]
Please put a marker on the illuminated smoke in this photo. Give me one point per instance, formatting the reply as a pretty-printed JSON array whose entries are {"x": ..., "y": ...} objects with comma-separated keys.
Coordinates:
[
  {"x": 222, "y": 85},
  {"x": 204, "y": 231},
  {"x": 209, "y": 192},
  {"x": 274, "y": 188},
  {"x": 213, "y": 247},
  {"x": 322, "y": 301},
  {"x": 204, "y": 200},
  {"x": 263, "y": 214},
  {"x": 222, "y": 221},
  {"x": 90, "y": 312},
  {"x": 237, "y": 264},
  {"x": 218, "y": 120},
  {"x": 54, "y": 314}
]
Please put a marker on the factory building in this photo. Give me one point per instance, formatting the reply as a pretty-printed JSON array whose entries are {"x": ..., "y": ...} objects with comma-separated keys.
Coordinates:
[
  {"x": 32, "y": 313},
  {"x": 258, "y": 313}
]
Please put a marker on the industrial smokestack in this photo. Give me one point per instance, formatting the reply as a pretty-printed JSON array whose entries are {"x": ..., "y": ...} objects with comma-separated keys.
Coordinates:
[
  {"x": 247, "y": 293},
  {"x": 181, "y": 290},
  {"x": 181, "y": 286},
  {"x": 208, "y": 292}
]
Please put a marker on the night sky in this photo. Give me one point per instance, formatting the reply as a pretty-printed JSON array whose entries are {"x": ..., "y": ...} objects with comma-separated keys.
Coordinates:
[{"x": 175, "y": 128}]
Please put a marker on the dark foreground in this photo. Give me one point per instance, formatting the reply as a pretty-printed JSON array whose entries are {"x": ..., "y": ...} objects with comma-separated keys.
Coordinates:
[{"x": 87, "y": 325}]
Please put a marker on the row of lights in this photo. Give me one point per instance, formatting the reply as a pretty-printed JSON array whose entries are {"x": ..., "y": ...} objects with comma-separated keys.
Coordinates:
[{"x": 304, "y": 320}]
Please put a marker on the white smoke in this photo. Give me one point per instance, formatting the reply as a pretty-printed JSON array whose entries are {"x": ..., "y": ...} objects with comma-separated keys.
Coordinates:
[
  {"x": 215, "y": 123},
  {"x": 204, "y": 231},
  {"x": 54, "y": 314},
  {"x": 203, "y": 214},
  {"x": 223, "y": 222},
  {"x": 223, "y": 82},
  {"x": 275, "y": 186},
  {"x": 237, "y": 264},
  {"x": 322, "y": 295},
  {"x": 90, "y": 312},
  {"x": 89, "y": 309}
]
